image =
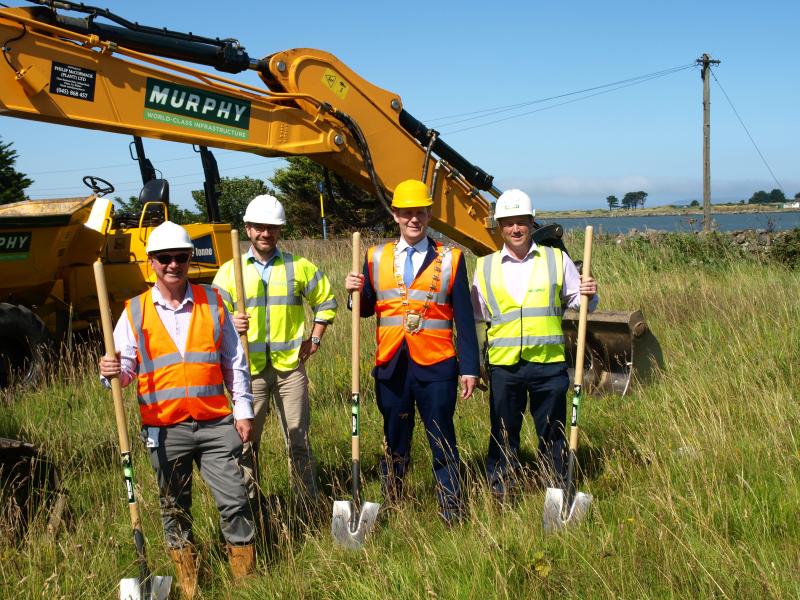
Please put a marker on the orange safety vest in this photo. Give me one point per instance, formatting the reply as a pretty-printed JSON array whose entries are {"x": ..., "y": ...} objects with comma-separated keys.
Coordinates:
[
  {"x": 171, "y": 387},
  {"x": 422, "y": 315}
]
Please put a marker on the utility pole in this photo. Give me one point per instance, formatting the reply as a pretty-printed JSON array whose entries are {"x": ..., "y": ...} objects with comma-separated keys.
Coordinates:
[{"x": 705, "y": 61}]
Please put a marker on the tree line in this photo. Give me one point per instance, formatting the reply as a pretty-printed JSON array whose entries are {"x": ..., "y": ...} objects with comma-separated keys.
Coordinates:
[
  {"x": 297, "y": 186},
  {"x": 775, "y": 196},
  {"x": 633, "y": 199},
  {"x": 630, "y": 200}
]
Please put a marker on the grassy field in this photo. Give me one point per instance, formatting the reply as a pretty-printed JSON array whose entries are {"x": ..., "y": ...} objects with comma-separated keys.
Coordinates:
[{"x": 695, "y": 477}]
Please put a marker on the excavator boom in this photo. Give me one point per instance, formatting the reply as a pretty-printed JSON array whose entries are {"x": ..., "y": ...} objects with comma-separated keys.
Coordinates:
[{"x": 83, "y": 73}]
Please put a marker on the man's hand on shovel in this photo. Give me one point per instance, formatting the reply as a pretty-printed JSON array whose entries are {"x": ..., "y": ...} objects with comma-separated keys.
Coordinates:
[{"x": 110, "y": 366}]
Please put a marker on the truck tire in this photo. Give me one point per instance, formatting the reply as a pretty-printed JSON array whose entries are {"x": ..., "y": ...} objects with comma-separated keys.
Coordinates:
[
  {"x": 24, "y": 346},
  {"x": 29, "y": 484}
]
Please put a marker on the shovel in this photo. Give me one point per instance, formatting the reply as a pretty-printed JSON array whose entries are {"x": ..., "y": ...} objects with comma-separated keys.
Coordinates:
[
  {"x": 354, "y": 519},
  {"x": 562, "y": 507},
  {"x": 147, "y": 586}
]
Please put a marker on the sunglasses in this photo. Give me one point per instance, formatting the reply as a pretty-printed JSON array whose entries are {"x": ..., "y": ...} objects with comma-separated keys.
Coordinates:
[{"x": 166, "y": 259}]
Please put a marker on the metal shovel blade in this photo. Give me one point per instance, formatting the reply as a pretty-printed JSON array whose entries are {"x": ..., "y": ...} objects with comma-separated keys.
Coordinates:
[
  {"x": 554, "y": 505},
  {"x": 343, "y": 512},
  {"x": 132, "y": 589}
]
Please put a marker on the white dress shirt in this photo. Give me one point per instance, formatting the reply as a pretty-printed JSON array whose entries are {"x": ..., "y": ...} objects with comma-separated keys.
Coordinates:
[{"x": 421, "y": 248}]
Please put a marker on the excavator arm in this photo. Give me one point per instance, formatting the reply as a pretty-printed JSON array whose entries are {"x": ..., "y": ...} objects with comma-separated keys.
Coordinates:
[
  {"x": 86, "y": 73},
  {"x": 104, "y": 72}
]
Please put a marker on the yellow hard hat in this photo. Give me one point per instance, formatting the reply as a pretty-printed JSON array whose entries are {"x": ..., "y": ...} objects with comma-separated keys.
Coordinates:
[{"x": 411, "y": 193}]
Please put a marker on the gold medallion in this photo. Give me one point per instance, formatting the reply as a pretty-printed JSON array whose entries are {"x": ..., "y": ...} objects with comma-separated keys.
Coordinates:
[{"x": 412, "y": 321}]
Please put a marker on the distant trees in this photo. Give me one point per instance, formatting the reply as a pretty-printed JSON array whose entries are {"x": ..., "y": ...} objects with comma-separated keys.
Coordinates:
[
  {"x": 235, "y": 195},
  {"x": 350, "y": 208},
  {"x": 297, "y": 187},
  {"x": 694, "y": 203},
  {"x": 797, "y": 196},
  {"x": 762, "y": 197},
  {"x": 12, "y": 182},
  {"x": 633, "y": 199},
  {"x": 630, "y": 200}
]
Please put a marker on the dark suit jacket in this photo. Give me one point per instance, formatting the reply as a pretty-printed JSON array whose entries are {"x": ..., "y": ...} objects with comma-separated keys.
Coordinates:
[{"x": 466, "y": 360}]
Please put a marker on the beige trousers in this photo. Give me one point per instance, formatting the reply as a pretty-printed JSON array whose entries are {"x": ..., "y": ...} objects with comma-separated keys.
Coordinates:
[{"x": 289, "y": 391}]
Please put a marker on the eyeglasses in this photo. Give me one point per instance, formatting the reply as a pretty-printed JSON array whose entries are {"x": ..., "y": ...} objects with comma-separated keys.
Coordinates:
[
  {"x": 166, "y": 259},
  {"x": 261, "y": 228}
]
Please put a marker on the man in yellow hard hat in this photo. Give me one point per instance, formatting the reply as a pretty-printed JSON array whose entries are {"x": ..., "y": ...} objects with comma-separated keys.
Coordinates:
[
  {"x": 418, "y": 290},
  {"x": 520, "y": 293},
  {"x": 275, "y": 284}
]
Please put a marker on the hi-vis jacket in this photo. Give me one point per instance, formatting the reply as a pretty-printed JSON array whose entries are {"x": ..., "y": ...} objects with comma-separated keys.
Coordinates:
[
  {"x": 530, "y": 331},
  {"x": 428, "y": 297},
  {"x": 277, "y": 318},
  {"x": 171, "y": 387}
]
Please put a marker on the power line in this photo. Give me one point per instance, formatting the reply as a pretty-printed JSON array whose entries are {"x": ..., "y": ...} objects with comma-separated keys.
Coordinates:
[
  {"x": 63, "y": 189},
  {"x": 129, "y": 163},
  {"x": 500, "y": 109},
  {"x": 605, "y": 91},
  {"x": 84, "y": 169},
  {"x": 764, "y": 160}
]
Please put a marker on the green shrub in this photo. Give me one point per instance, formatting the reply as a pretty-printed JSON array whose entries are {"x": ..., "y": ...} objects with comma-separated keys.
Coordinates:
[
  {"x": 786, "y": 249},
  {"x": 668, "y": 250}
]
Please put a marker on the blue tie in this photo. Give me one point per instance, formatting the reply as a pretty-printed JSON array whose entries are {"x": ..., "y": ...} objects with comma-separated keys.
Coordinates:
[{"x": 408, "y": 270}]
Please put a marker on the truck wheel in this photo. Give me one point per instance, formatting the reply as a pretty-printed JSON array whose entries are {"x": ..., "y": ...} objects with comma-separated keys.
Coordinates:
[
  {"x": 29, "y": 484},
  {"x": 24, "y": 345}
]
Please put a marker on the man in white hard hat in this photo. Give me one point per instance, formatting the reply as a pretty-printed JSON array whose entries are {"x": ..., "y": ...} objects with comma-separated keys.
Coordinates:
[
  {"x": 275, "y": 284},
  {"x": 418, "y": 290},
  {"x": 520, "y": 293},
  {"x": 177, "y": 341}
]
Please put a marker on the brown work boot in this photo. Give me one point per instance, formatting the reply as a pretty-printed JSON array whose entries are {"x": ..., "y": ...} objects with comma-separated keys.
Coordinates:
[
  {"x": 185, "y": 560},
  {"x": 242, "y": 559}
]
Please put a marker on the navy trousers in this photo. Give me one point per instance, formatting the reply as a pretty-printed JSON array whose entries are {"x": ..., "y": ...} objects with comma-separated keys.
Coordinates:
[
  {"x": 545, "y": 386},
  {"x": 397, "y": 399}
]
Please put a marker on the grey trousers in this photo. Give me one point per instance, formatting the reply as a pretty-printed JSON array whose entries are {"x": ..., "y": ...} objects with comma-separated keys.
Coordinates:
[
  {"x": 215, "y": 447},
  {"x": 289, "y": 390}
]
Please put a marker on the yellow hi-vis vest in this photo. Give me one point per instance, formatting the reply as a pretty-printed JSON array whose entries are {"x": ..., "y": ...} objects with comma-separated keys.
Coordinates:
[
  {"x": 277, "y": 317},
  {"x": 529, "y": 331}
]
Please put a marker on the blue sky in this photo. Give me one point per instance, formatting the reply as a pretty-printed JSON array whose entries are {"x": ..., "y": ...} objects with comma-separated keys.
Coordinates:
[{"x": 450, "y": 58}]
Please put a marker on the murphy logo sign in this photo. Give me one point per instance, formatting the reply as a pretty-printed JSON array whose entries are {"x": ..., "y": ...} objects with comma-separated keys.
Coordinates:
[
  {"x": 15, "y": 246},
  {"x": 196, "y": 109}
]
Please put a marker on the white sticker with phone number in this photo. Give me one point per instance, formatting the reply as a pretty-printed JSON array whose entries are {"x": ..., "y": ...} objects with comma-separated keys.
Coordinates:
[{"x": 152, "y": 437}]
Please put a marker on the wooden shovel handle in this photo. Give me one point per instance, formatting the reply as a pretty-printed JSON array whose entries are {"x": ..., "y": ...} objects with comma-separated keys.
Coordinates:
[
  {"x": 237, "y": 275},
  {"x": 356, "y": 316},
  {"x": 586, "y": 271},
  {"x": 116, "y": 387},
  {"x": 111, "y": 351},
  {"x": 355, "y": 356}
]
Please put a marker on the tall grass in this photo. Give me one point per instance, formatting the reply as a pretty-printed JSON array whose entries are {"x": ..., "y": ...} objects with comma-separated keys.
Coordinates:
[{"x": 695, "y": 476}]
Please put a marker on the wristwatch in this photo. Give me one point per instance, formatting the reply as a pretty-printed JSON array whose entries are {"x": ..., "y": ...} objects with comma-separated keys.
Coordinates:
[{"x": 315, "y": 340}]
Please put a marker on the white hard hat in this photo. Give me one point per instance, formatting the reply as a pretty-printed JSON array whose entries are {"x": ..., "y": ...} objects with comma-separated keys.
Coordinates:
[
  {"x": 168, "y": 236},
  {"x": 266, "y": 210},
  {"x": 513, "y": 203}
]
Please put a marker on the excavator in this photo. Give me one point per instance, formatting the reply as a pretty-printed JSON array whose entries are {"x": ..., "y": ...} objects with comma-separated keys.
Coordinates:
[{"x": 98, "y": 70}]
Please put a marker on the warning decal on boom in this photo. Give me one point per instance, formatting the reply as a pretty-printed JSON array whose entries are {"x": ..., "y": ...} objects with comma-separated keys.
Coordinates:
[{"x": 335, "y": 83}]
